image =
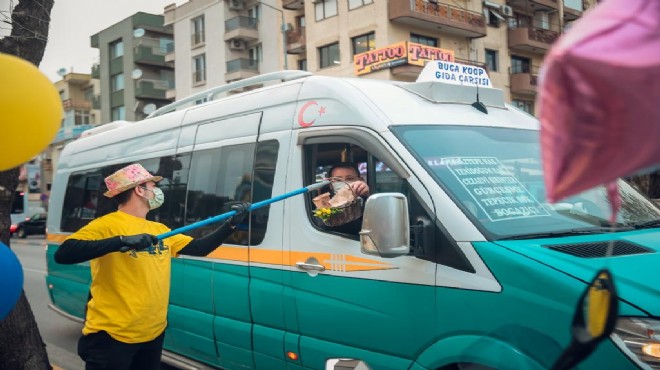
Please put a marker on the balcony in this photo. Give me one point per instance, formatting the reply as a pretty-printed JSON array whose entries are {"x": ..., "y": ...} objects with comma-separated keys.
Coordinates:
[
  {"x": 534, "y": 5},
  {"x": 169, "y": 53},
  {"x": 76, "y": 104},
  {"x": 241, "y": 28},
  {"x": 443, "y": 17},
  {"x": 96, "y": 71},
  {"x": 524, "y": 80},
  {"x": 295, "y": 41},
  {"x": 151, "y": 89},
  {"x": 241, "y": 68},
  {"x": 154, "y": 56},
  {"x": 573, "y": 9},
  {"x": 70, "y": 133},
  {"x": 96, "y": 102},
  {"x": 531, "y": 39},
  {"x": 293, "y": 4}
]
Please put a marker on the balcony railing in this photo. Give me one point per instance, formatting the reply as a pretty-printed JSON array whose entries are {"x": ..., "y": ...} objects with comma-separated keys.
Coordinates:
[
  {"x": 529, "y": 38},
  {"x": 76, "y": 104},
  {"x": 523, "y": 78},
  {"x": 471, "y": 63},
  {"x": 152, "y": 89},
  {"x": 295, "y": 40},
  {"x": 242, "y": 64},
  {"x": 433, "y": 15},
  {"x": 240, "y": 22},
  {"x": 199, "y": 76},
  {"x": 197, "y": 38}
]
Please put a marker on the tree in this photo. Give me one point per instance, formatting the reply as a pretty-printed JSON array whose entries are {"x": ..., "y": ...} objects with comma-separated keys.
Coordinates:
[{"x": 21, "y": 345}]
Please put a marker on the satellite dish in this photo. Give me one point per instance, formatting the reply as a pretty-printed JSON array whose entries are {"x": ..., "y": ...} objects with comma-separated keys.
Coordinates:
[
  {"x": 149, "y": 108},
  {"x": 137, "y": 73},
  {"x": 61, "y": 71},
  {"x": 138, "y": 32}
]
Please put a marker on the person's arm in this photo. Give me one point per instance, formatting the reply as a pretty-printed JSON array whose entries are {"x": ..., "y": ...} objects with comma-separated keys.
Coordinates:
[
  {"x": 202, "y": 246},
  {"x": 77, "y": 251}
]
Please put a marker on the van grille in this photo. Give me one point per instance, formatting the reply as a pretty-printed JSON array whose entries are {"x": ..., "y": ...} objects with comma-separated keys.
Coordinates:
[{"x": 599, "y": 249}]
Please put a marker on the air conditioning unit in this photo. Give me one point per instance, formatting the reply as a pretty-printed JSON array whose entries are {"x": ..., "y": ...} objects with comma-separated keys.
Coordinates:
[
  {"x": 236, "y": 4},
  {"x": 237, "y": 45},
  {"x": 507, "y": 11}
]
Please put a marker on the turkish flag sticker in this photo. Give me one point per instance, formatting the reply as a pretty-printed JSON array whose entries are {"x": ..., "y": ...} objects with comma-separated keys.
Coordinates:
[{"x": 309, "y": 113}]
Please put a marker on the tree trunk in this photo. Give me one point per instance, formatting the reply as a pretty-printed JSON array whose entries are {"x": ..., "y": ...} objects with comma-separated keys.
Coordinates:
[{"x": 21, "y": 345}]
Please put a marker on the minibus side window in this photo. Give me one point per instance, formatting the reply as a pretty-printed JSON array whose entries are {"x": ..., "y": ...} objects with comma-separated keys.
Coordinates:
[
  {"x": 174, "y": 171},
  {"x": 222, "y": 176},
  {"x": 82, "y": 200}
]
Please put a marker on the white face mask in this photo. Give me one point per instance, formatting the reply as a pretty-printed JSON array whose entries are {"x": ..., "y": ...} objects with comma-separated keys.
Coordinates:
[{"x": 157, "y": 200}]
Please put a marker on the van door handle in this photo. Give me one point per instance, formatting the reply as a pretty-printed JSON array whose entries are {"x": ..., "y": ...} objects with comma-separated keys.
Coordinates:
[{"x": 310, "y": 266}]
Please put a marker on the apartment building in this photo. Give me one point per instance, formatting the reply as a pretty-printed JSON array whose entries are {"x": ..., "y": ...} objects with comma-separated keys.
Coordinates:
[
  {"x": 220, "y": 41},
  {"x": 133, "y": 74},
  {"x": 79, "y": 95},
  {"x": 393, "y": 38}
]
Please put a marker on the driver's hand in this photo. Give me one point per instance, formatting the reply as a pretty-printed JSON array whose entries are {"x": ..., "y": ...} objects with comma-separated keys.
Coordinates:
[{"x": 360, "y": 188}]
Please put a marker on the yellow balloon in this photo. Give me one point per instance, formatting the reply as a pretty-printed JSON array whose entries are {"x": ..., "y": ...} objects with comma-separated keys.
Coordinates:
[{"x": 30, "y": 111}]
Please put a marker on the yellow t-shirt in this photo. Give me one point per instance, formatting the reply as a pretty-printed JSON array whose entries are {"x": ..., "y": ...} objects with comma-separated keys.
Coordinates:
[{"x": 129, "y": 294}]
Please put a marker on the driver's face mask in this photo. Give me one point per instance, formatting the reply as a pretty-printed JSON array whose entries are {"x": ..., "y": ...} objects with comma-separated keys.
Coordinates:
[{"x": 340, "y": 182}]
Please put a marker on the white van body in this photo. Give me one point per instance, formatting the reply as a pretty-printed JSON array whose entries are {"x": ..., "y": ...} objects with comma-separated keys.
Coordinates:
[{"x": 303, "y": 298}]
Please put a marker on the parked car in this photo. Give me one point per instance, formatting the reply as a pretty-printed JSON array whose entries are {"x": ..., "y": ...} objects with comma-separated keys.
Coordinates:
[{"x": 33, "y": 225}]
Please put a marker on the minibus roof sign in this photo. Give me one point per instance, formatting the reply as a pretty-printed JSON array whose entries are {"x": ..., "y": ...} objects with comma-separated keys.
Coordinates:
[{"x": 454, "y": 73}]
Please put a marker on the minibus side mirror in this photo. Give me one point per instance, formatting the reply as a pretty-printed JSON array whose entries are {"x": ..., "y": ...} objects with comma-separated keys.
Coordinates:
[
  {"x": 594, "y": 319},
  {"x": 385, "y": 226}
]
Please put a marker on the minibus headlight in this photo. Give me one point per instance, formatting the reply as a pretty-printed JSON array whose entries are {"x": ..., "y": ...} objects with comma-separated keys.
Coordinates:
[{"x": 639, "y": 338}]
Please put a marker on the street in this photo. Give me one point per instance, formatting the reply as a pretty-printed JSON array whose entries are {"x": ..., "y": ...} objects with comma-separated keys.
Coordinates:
[{"x": 60, "y": 334}]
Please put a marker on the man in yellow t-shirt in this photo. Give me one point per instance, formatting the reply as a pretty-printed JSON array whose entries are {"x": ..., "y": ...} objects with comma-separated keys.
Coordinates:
[{"x": 127, "y": 310}]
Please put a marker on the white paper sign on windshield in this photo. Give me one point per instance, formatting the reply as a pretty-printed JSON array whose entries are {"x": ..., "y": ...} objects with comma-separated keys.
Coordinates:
[
  {"x": 494, "y": 188},
  {"x": 454, "y": 73}
]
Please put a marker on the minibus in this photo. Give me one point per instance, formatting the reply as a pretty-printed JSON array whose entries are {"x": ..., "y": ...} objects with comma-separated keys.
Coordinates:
[{"x": 460, "y": 263}]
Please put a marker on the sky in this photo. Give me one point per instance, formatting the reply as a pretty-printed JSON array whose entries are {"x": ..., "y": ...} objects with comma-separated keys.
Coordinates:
[{"x": 72, "y": 24}]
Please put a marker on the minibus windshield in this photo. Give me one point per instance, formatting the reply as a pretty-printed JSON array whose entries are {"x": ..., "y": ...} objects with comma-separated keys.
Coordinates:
[{"x": 495, "y": 176}]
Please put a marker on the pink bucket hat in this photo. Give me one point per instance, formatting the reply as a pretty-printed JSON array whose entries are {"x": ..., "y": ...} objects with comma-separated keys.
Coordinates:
[{"x": 127, "y": 178}]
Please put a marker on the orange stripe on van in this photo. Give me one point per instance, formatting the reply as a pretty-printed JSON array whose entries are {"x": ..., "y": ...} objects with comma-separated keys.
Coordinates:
[
  {"x": 56, "y": 238},
  {"x": 331, "y": 261}
]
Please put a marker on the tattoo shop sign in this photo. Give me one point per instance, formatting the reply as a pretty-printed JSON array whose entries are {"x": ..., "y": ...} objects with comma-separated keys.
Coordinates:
[
  {"x": 494, "y": 188},
  {"x": 404, "y": 52}
]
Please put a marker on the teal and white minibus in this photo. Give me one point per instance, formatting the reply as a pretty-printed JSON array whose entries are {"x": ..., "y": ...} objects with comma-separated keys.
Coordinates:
[{"x": 460, "y": 263}]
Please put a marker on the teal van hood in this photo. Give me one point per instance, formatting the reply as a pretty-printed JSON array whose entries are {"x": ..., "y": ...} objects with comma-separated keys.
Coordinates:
[{"x": 636, "y": 275}]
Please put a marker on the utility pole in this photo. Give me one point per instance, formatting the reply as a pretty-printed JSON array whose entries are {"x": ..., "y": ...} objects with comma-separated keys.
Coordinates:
[{"x": 282, "y": 28}]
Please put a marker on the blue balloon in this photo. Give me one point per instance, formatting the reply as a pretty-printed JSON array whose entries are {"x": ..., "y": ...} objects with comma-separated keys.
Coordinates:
[{"x": 11, "y": 280}]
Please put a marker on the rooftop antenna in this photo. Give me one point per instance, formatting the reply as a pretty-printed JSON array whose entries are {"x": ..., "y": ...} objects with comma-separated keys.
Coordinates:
[{"x": 478, "y": 105}]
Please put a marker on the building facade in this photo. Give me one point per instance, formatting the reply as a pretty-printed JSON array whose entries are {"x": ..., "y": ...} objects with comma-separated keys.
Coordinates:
[
  {"x": 508, "y": 38},
  {"x": 220, "y": 41},
  {"x": 133, "y": 74}
]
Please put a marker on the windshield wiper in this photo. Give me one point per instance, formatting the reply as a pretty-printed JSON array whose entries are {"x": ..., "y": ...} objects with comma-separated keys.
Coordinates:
[
  {"x": 571, "y": 232},
  {"x": 646, "y": 224}
]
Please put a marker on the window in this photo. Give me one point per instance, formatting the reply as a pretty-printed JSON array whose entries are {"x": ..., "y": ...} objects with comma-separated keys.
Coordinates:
[
  {"x": 526, "y": 105},
  {"x": 231, "y": 181},
  {"x": 198, "y": 36},
  {"x": 363, "y": 43},
  {"x": 255, "y": 53},
  {"x": 325, "y": 9},
  {"x": 118, "y": 113},
  {"x": 300, "y": 21},
  {"x": 354, "y": 4},
  {"x": 329, "y": 55},
  {"x": 541, "y": 20},
  {"x": 117, "y": 82},
  {"x": 199, "y": 68},
  {"x": 84, "y": 200},
  {"x": 520, "y": 65},
  {"x": 494, "y": 18},
  {"x": 82, "y": 118},
  {"x": 116, "y": 49},
  {"x": 424, "y": 40},
  {"x": 255, "y": 12},
  {"x": 492, "y": 60},
  {"x": 302, "y": 64}
]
